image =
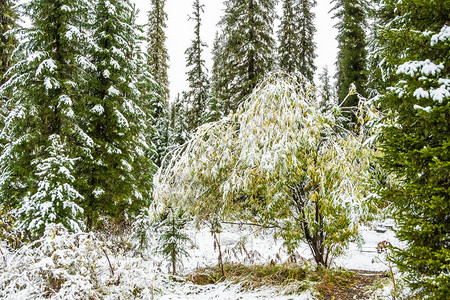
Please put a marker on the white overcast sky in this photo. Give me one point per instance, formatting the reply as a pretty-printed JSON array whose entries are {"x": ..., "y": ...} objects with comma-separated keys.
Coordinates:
[{"x": 180, "y": 33}]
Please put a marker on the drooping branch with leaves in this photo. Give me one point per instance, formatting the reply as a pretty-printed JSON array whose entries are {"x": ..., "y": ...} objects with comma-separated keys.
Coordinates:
[{"x": 278, "y": 161}]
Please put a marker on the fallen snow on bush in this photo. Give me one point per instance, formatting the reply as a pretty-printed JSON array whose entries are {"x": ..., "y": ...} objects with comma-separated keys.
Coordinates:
[{"x": 62, "y": 265}]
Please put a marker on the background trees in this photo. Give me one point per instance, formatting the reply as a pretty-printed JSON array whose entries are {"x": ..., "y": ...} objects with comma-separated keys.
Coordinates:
[
  {"x": 75, "y": 138},
  {"x": 352, "y": 57},
  {"x": 246, "y": 50},
  {"x": 158, "y": 60},
  {"x": 8, "y": 41},
  {"x": 414, "y": 41},
  {"x": 198, "y": 93},
  {"x": 114, "y": 121},
  {"x": 157, "y": 46},
  {"x": 296, "y": 49}
]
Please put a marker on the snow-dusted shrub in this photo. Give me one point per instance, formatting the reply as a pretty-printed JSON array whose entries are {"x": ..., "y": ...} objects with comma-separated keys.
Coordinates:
[
  {"x": 279, "y": 161},
  {"x": 63, "y": 265}
]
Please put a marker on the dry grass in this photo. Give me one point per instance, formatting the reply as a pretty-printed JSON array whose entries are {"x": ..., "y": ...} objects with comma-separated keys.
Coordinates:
[
  {"x": 252, "y": 276},
  {"x": 292, "y": 278}
]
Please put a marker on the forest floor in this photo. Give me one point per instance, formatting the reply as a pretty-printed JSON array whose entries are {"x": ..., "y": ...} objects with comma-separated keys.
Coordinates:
[{"x": 257, "y": 266}]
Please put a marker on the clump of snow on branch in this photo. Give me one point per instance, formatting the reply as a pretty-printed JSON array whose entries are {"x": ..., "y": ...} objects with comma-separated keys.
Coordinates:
[{"x": 442, "y": 36}]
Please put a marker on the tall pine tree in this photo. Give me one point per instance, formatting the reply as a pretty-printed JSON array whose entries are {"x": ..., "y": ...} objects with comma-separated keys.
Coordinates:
[
  {"x": 157, "y": 50},
  {"x": 158, "y": 60},
  {"x": 218, "y": 69},
  {"x": 246, "y": 49},
  {"x": 414, "y": 40},
  {"x": 113, "y": 120},
  {"x": 352, "y": 57},
  {"x": 198, "y": 93},
  {"x": 43, "y": 134},
  {"x": 296, "y": 49},
  {"x": 8, "y": 42},
  {"x": 179, "y": 127}
]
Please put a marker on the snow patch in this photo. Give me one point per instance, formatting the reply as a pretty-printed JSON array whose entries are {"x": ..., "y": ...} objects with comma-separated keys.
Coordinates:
[
  {"x": 64, "y": 100},
  {"x": 85, "y": 63},
  {"x": 442, "y": 36},
  {"x": 98, "y": 110},
  {"x": 51, "y": 83},
  {"x": 48, "y": 64},
  {"x": 123, "y": 123},
  {"x": 97, "y": 192},
  {"x": 421, "y": 93},
  {"x": 427, "y": 109},
  {"x": 440, "y": 93},
  {"x": 112, "y": 91},
  {"x": 426, "y": 67}
]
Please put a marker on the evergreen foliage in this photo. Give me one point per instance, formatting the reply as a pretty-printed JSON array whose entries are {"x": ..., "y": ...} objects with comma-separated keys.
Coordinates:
[
  {"x": 213, "y": 111},
  {"x": 113, "y": 120},
  {"x": 172, "y": 239},
  {"x": 8, "y": 42},
  {"x": 326, "y": 89},
  {"x": 158, "y": 60},
  {"x": 55, "y": 200},
  {"x": 278, "y": 161},
  {"x": 38, "y": 178},
  {"x": 414, "y": 39},
  {"x": 197, "y": 95},
  {"x": 296, "y": 49},
  {"x": 246, "y": 48},
  {"x": 352, "y": 57},
  {"x": 147, "y": 96},
  {"x": 218, "y": 69},
  {"x": 179, "y": 127},
  {"x": 156, "y": 49}
]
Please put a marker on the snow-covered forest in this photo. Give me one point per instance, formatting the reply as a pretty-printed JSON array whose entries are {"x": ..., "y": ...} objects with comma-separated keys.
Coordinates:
[{"x": 258, "y": 181}]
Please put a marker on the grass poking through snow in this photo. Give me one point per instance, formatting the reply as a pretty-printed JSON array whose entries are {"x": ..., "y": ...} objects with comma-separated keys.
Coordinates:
[{"x": 293, "y": 279}]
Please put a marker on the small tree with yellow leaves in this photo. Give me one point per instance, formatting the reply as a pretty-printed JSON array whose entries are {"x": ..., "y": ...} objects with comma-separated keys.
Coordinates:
[{"x": 278, "y": 161}]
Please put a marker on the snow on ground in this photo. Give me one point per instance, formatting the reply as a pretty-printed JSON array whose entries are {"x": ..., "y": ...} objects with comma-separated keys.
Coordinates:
[
  {"x": 249, "y": 246},
  {"x": 227, "y": 291},
  {"x": 28, "y": 267},
  {"x": 262, "y": 248}
]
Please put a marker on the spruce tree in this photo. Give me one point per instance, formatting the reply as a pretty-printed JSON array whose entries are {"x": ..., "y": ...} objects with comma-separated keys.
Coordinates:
[
  {"x": 197, "y": 95},
  {"x": 158, "y": 59},
  {"x": 179, "y": 127},
  {"x": 296, "y": 49},
  {"x": 44, "y": 138},
  {"x": 157, "y": 50},
  {"x": 414, "y": 39},
  {"x": 8, "y": 42},
  {"x": 352, "y": 57},
  {"x": 247, "y": 52},
  {"x": 218, "y": 71},
  {"x": 326, "y": 89},
  {"x": 114, "y": 121},
  {"x": 172, "y": 238},
  {"x": 213, "y": 110}
]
